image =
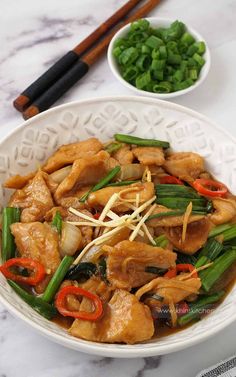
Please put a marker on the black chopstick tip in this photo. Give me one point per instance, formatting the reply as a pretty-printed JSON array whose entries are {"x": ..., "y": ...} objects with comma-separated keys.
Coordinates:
[
  {"x": 21, "y": 102},
  {"x": 30, "y": 112}
]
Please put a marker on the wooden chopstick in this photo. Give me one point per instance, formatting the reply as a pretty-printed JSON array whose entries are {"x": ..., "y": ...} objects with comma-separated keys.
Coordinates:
[
  {"x": 66, "y": 62},
  {"x": 81, "y": 67}
]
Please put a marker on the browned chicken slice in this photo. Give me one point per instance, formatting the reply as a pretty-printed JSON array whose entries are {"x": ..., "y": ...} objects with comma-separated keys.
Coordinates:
[
  {"x": 196, "y": 236},
  {"x": 170, "y": 221},
  {"x": 127, "y": 261},
  {"x": 35, "y": 199},
  {"x": 68, "y": 153},
  {"x": 98, "y": 199},
  {"x": 125, "y": 320},
  {"x": 149, "y": 155},
  {"x": 185, "y": 165},
  {"x": 124, "y": 155},
  {"x": 39, "y": 242},
  {"x": 171, "y": 290},
  {"x": 225, "y": 210},
  {"x": 85, "y": 171},
  {"x": 18, "y": 181}
]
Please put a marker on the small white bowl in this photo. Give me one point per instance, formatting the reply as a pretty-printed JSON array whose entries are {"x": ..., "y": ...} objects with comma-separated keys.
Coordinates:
[{"x": 158, "y": 22}]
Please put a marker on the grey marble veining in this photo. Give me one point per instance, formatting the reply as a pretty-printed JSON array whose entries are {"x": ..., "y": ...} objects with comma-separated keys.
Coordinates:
[{"x": 32, "y": 36}]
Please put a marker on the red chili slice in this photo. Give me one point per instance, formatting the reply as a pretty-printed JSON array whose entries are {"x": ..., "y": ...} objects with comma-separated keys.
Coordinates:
[
  {"x": 204, "y": 187},
  {"x": 88, "y": 316},
  {"x": 30, "y": 264},
  {"x": 181, "y": 268},
  {"x": 170, "y": 179}
]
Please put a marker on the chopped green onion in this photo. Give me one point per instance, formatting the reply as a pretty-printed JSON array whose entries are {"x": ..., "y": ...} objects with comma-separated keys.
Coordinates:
[
  {"x": 161, "y": 241},
  {"x": 121, "y": 183},
  {"x": 128, "y": 56},
  {"x": 158, "y": 65},
  {"x": 219, "y": 230},
  {"x": 57, "y": 279},
  {"x": 201, "y": 47},
  {"x": 165, "y": 214},
  {"x": 102, "y": 183},
  {"x": 199, "y": 59},
  {"x": 199, "y": 307},
  {"x": 209, "y": 253},
  {"x": 143, "y": 80},
  {"x": 38, "y": 304},
  {"x": 186, "y": 259},
  {"x": 187, "y": 38},
  {"x": 128, "y": 139},
  {"x": 162, "y": 87},
  {"x": 163, "y": 52},
  {"x": 130, "y": 73},
  {"x": 143, "y": 63},
  {"x": 193, "y": 74},
  {"x": 10, "y": 215},
  {"x": 154, "y": 42}
]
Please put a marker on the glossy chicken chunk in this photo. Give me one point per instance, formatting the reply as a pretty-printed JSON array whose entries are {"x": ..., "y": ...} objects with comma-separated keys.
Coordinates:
[
  {"x": 149, "y": 155},
  {"x": 125, "y": 320},
  {"x": 127, "y": 261},
  {"x": 171, "y": 290},
  {"x": 18, "y": 181},
  {"x": 85, "y": 171},
  {"x": 124, "y": 155},
  {"x": 98, "y": 199},
  {"x": 185, "y": 165},
  {"x": 196, "y": 236},
  {"x": 170, "y": 221},
  {"x": 35, "y": 199},
  {"x": 39, "y": 242},
  {"x": 67, "y": 154}
]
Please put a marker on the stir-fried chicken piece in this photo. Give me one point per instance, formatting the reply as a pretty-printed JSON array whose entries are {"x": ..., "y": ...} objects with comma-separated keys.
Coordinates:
[
  {"x": 127, "y": 261},
  {"x": 196, "y": 236},
  {"x": 68, "y": 153},
  {"x": 125, "y": 320},
  {"x": 225, "y": 210},
  {"x": 35, "y": 199},
  {"x": 185, "y": 165},
  {"x": 124, "y": 155},
  {"x": 18, "y": 181},
  {"x": 39, "y": 242},
  {"x": 171, "y": 290},
  {"x": 131, "y": 172},
  {"x": 85, "y": 171},
  {"x": 98, "y": 199},
  {"x": 87, "y": 231},
  {"x": 149, "y": 155},
  {"x": 170, "y": 221}
]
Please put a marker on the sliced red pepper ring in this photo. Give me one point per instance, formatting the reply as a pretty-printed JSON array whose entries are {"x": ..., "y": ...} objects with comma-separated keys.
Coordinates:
[
  {"x": 170, "y": 179},
  {"x": 181, "y": 268},
  {"x": 206, "y": 186},
  {"x": 60, "y": 303},
  {"x": 30, "y": 264},
  {"x": 97, "y": 215}
]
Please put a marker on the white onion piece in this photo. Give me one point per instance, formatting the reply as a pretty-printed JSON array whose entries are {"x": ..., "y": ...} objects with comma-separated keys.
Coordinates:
[
  {"x": 131, "y": 171},
  {"x": 71, "y": 239},
  {"x": 59, "y": 175}
]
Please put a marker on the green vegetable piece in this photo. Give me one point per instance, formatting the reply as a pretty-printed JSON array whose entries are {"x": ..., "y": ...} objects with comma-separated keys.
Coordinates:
[
  {"x": 128, "y": 56},
  {"x": 199, "y": 307},
  {"x": 214, "y": 272},
  {"x": 192, "y": 49},
  {"x": 121, "y": 183},
  {"x": 159, "y": 75},
  {"x": 145, "y": 49},
  {"x": 57, "y": 279},
  {"x": 162, "y": 52},
  {"x": 201, "y": 47},
  {"x": 102, "y": 183},
  {"x": 154, "y": 42},
  {"x": 209, "y": 253},
  {"x": 113, "y": 147},
  {"x": 158, "y": 65},
  {"x": 81, "y": 271},
  {"x": 128, "y": 139},
  {"x": 117, "y": 51},
  {"x": 143, "y": 80},
  {"x": 57, "y": 222},
  {"x": 173, "y": 58},
  {"x": 184, "y": 84},
  {"x": 141, "y": 24},
  {"x": 199, "y": 59},
  {"x": 130, "y": 73},
  {"x": 219, "y": 230},
  {"x": 193, "y": 74},
  {"x": 40, "y": 306},
  {"x": 143, "y": 62},
  {"x": 156, "y": 54},
  {"x": 161, "y": 241},
  {"x": 10, "y": 215},
  {"x": 178, "y": 76},
  {"x": 162, "y": 87},
  {"x": 187, "y": 38}
]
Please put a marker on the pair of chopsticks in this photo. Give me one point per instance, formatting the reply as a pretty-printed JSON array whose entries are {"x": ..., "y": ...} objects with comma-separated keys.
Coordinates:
[{"x": 59, "y": 78}]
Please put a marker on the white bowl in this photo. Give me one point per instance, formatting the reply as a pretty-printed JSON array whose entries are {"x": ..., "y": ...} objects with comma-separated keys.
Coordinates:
[
  {"x": 35, "y": 140},
  {"x": 157, "y": 22}
]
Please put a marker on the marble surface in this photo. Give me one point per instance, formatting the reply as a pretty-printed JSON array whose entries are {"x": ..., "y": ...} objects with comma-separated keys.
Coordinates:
[{"x": 32, "y": 36}]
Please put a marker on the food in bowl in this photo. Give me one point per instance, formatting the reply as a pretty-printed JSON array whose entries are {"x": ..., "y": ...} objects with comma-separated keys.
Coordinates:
[
  {"x": 159, "y": 60},
  {"x": 121, "y": 241}
]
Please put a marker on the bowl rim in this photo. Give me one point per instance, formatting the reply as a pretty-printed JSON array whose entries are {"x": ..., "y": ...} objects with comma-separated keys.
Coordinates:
[
  {"x": 204, "y": 71},
  {"x": 101, "y": 349}
]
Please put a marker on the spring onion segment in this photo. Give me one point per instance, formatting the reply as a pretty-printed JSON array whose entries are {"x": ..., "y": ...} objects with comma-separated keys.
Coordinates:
[
  {"x": 128, "y": 139},
  {"x": 10, "y": 215},
  {"x": 159, "y": 60}
]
